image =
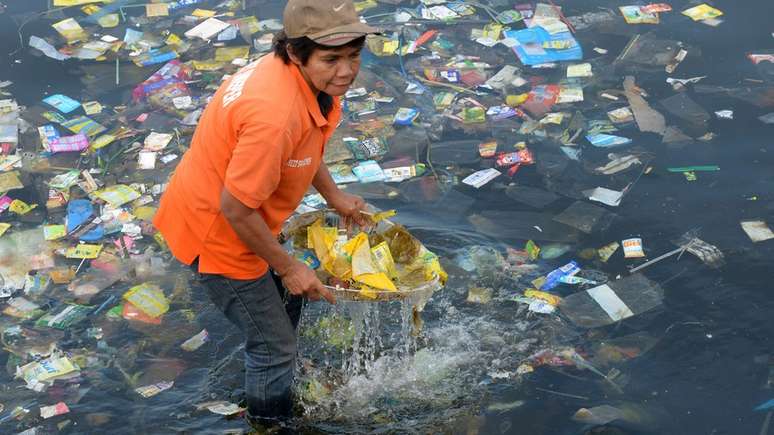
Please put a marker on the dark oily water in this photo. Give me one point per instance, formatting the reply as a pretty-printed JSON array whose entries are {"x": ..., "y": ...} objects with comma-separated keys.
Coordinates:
[{"x": 681, "y": 346}]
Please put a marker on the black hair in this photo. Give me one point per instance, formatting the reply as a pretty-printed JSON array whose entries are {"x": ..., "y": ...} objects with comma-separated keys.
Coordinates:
[
  {"x": 325, "y": 102},
  {"x": 303, "y": 48}
]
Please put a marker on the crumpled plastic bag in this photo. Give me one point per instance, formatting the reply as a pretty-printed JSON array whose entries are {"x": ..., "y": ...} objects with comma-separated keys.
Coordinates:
[
  {"x": 708, "y": 254},
  {"x": 322, "y": 239},
  {"x": 403, "y": 246},
  {"x": 363, "y": 268},
  {"x": 598, "y": 415}
]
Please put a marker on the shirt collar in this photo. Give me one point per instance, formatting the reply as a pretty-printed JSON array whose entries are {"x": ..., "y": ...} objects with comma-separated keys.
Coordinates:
[{"x": 310, "y": 99}]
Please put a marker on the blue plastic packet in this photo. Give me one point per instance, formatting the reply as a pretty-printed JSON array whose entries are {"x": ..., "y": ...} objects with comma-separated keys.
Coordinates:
[
  {"x": 310, "y": 260},
  {"x": 405, "y": 116},
  {"x": 555, "y": 277}
]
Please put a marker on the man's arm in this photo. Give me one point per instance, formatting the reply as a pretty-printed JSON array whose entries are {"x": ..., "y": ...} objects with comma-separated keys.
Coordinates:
[
  {"x": 253, "y": 231},
  {"x": 324, "y": 183},
  {"x": 346, "y": 204}
]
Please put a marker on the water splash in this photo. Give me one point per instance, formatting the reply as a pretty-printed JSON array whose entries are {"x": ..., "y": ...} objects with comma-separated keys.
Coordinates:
[{"x": 391, "y": 375}]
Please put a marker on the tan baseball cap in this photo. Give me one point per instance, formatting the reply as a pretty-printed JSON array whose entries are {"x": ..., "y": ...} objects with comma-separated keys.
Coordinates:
[{"x": 326, "y": 22}]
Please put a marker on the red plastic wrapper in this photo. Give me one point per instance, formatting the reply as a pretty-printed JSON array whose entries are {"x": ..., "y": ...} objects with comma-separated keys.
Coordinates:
[
  {"x": 473, "y": 78},
  {"x": 424, "y": 38},
  {"x": 526, "y": 157},
  {"x": 655, "y": 8},
  {"x": 541, "y": 99},
  {"x": 552, "y": 357},
  {"x": 522, "y": 157}
]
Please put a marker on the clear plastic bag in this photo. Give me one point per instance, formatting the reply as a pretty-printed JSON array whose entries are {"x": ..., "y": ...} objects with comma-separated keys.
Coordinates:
[{"x": 612, "y": 302}]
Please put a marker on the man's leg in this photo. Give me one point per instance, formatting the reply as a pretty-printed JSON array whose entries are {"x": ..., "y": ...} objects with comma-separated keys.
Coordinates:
[{"x": 258, "y": 309}]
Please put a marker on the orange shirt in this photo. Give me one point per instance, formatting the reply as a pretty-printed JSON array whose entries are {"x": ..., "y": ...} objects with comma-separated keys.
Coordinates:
[{"x": 261, "y": 137}]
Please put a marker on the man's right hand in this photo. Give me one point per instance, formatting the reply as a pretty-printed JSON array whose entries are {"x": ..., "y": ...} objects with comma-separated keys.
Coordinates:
[{"x": 300, "y": 280}]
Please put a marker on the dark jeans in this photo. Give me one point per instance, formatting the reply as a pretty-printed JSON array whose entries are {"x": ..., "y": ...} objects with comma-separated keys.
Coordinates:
[{"x": 268, "y": 316}]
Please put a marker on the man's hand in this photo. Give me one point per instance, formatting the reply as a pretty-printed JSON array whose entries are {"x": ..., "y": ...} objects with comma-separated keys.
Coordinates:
[
  {"x": 349, "y": 206},
  {"x": 300, "y": 280}
]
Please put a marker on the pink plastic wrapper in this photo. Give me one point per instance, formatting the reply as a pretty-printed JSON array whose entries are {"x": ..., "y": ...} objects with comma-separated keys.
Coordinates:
[
  {"x": 173, "y": 72},
  {"x": 77, "y": 142},
  {"x": 5, "y": 202}
]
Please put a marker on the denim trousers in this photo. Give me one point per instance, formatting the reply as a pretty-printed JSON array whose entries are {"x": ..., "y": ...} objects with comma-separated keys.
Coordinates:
[{"x": 268, "y": 317}]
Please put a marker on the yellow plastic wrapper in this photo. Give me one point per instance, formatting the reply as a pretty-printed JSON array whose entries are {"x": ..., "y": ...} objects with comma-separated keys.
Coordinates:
[
  {"x": 349, "y": 247},
  {"x": 159, "y": 238},
  {"x": 702, "y": 12},
  {"x": 173, "y": 39},
  {"x": 70, "y": 30},
  {"x": 321, "y": 239},
  {"x": 607, "y": 251},
  {"x": 382, "y": 46},
  {"x": 227, "y": 54},
  {"x": 84, "y": 251},
  {"x": 363, "y": 268},
  {"x": 109, "y": 21},
  {"x": 431, "y": 266},
  {"x": 207, "y": 65},
  {"x": 492, "y": 31},
  {"x": 90, "y": 9},
  {"x": 148, "y": 298},
  {"x": 20, "y": 207},
  {"x": 371, "y": 262},
  {"x": 145, "y": 213},
  {"x": 117, "y": 195},
  {"x": 342, "y": 267},
  {"x": 92, "y": 107},
  {"x": 548, "y": 297},
  {"x": 434, "y": 268},
  {"x": 378, "y": 217},
  {"x": 10, "y": 181},
  {"x": 367, "y": 292},
  {"x": 248, "y": 25},
  {"x": 54, "y": 232},
  {"x": 203, "y": 13},
  {"x": 533, "y": 250},
  {"x": 102, "y": 141},
  {"x": 384, "y": 261},
  {"x": 516, "y": 100},
  {"x": 157, "y": 9},
  {"x": 47, "y": 370}
]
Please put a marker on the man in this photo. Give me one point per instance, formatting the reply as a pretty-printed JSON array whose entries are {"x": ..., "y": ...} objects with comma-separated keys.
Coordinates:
[{"x": 255, "y": 152}]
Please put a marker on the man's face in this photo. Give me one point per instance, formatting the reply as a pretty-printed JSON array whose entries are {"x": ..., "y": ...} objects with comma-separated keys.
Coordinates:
[{"x": 331, "y": 71}]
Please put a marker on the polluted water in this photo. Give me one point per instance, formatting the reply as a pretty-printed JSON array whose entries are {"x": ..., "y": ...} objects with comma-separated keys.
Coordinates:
[{"x": 588, "y": 182}]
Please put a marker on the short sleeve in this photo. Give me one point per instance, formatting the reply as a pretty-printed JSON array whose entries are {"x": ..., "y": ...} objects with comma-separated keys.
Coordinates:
[{"x": 253, "y": 173}]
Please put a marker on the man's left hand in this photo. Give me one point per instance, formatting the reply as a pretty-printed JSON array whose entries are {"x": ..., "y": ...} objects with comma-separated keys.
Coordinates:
[{"x": 349, "y": 206}]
